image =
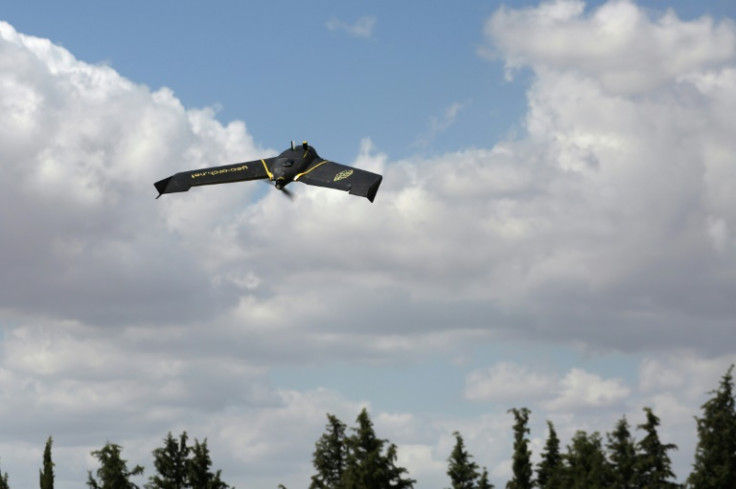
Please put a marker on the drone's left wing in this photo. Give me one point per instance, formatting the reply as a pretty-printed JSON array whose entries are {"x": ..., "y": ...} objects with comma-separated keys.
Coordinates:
[
  {"x": 238, "y": 172},
  {"x": 341, "y": 177}
]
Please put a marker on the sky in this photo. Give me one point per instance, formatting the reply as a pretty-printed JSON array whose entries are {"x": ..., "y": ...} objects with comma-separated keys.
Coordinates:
[{"x": 555, "y": 228}]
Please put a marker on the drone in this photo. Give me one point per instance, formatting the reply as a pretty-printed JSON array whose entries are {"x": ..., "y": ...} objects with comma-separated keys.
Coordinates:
[{"x": 295, "y": 164}]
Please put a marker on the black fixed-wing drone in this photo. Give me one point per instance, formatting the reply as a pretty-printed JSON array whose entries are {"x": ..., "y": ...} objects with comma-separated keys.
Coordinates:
[{"x": 296, "y": 164}]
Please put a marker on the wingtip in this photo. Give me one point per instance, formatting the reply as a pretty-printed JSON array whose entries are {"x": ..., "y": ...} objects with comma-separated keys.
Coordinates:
[
  {"x": 161, "y": 186},
  {"x": 373, "y": 190}
]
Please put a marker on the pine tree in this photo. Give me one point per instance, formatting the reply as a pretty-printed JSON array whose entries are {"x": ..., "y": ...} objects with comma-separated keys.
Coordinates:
[
  {"x": 358, "y": 461},
  {"x": 462, "y": 470},
  {"x": 4, "y": 480},
  {"x": 585, "y": 463},
  {"x": 483, "y": 481},
  {"x": 46, "y": 475},
  {"x": 622, "y": 456},
  {"x": 171, "y": 463},
  {"x": 113, "y": 472},
  {"x": 653, "y": 466},
  {"x": 522, "y": 466},
  {"x": 367, "y": 467},
  {"x": 200, "y": 476},
  {"x": 550, "y": 468},
  {"x": 330, "y": 456},
  {"x": 715, "y": 454}
]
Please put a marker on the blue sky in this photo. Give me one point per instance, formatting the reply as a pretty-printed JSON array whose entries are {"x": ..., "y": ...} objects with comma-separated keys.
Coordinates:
[
  {"x": 279, "y": 63},
  {"x": 555, "y": 228},
  {"x": 280, "y": 68}
]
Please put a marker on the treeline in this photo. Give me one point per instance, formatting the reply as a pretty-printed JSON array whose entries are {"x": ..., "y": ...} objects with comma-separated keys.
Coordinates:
[
  {"x": 361, "y": 460},
  {"x": 178, "y": 465},
  {"x": 620, "y": 461}
]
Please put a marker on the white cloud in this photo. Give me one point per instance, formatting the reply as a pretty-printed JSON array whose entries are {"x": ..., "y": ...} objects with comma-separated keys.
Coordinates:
[
  {"x": 363, "y": 27},
  {"x": 577, "y": 390},
  {"x": 618, "y": 44},
  {"x": 508, "y": 382},
  {"x": 580, "y": 390}
]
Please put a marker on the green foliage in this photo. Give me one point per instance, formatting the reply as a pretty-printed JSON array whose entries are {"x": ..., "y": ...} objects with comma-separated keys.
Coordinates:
[
  {"x": 522, "y": 465},
  {"x": 180, "y": 466},
  {"x": 550, "y": 469},
  {"x": 622, "y": 456},
  {"x": 483, "y": 481},
  {"x": 462, "y": 470},
  {"x": 366, "y": 465},
  {"x": 200, "y": 476},
  {"x": 653, "y": 467},
  {"x": 715, "y": 454},
  {"x": 585, "y": 463},
  {"x": 46, "y": 475},
  {"x": 364, "y": 461},
  {"x": 330, "y": 456},
  {"x": 4, "y": 480},
  {"x": 172, "y": 464},
  {"x": 113, "y": 472}
]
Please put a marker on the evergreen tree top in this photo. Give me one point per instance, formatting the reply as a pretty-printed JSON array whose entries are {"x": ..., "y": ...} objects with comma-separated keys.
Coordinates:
[
  {"x": 462, "y": 471},
  {"x": 715, "y": 454}
]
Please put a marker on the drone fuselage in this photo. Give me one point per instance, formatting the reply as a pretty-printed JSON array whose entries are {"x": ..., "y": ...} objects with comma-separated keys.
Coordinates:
[{"x": 291, "y": 164}]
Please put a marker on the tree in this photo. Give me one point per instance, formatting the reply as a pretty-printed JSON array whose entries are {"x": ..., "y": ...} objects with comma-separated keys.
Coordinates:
[
  {"x": 330, "y": 456},
  {"x": 172, "y": 464},
  {"x": 715, "y": 454},
  {"x": 46, "y": 474},
  {"x": 653, "y": 465},
  {"x": 200, "y": 476},
  {"x": 622, "y": 456},
  {"x": 483, "y": 481},
  {"x": 522, "y": 466},
  {"x": 113, "y": 472},
  {"x": 367, "y": 467},
  {"x": 550, "y": 468},
  {"x": 4, "y": 480},
  {"x": 462, "y": 470},
  {"x": 585, "y": 463}
]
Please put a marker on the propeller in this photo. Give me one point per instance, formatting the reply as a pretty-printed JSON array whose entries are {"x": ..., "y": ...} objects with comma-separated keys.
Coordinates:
[
  {"x": 288, "y": 193},
  {"x": 279, "y": 184}
]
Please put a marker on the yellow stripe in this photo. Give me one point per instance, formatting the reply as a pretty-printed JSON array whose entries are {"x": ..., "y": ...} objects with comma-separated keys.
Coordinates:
[
  {"x": 304, "y": 173},
  {"x": 265, "y": 167}
]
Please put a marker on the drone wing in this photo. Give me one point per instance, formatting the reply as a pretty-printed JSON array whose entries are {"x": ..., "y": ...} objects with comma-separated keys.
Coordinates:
[
  {"x": 238, "y": 172},
  {"x": 341, "y": 177}
]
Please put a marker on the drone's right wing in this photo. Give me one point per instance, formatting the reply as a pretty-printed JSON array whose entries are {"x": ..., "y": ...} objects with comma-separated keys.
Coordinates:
[
  {"x": 238, "y": 172},
  {"x": 341, "y": 177}
]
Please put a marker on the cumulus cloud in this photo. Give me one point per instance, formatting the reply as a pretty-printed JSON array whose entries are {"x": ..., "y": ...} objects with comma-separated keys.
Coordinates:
[
  {"x": 618, "y": 44},
  {"x": 514, "y": 384},
  {"x": 581, "y": 390},
  {"x": 508, "y": 382},
  {"x": 81, "y": 147}
]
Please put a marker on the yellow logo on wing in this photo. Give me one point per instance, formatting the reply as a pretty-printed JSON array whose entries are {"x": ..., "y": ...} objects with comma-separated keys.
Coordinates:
[
  {"x": 212, "y": 173},
  {"x": 342, "y": 175}
]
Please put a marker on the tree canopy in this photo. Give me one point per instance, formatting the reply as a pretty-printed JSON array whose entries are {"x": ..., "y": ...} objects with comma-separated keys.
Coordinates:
[
  {"x": 113, "y": 472},
  {"x": 359, "y": 461},
  {"x": 521, "y": 464},
  {"x": 46, "y": 474},
  {"x": 715, "y": 454},
  {"x": 463, "y": 472}
]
